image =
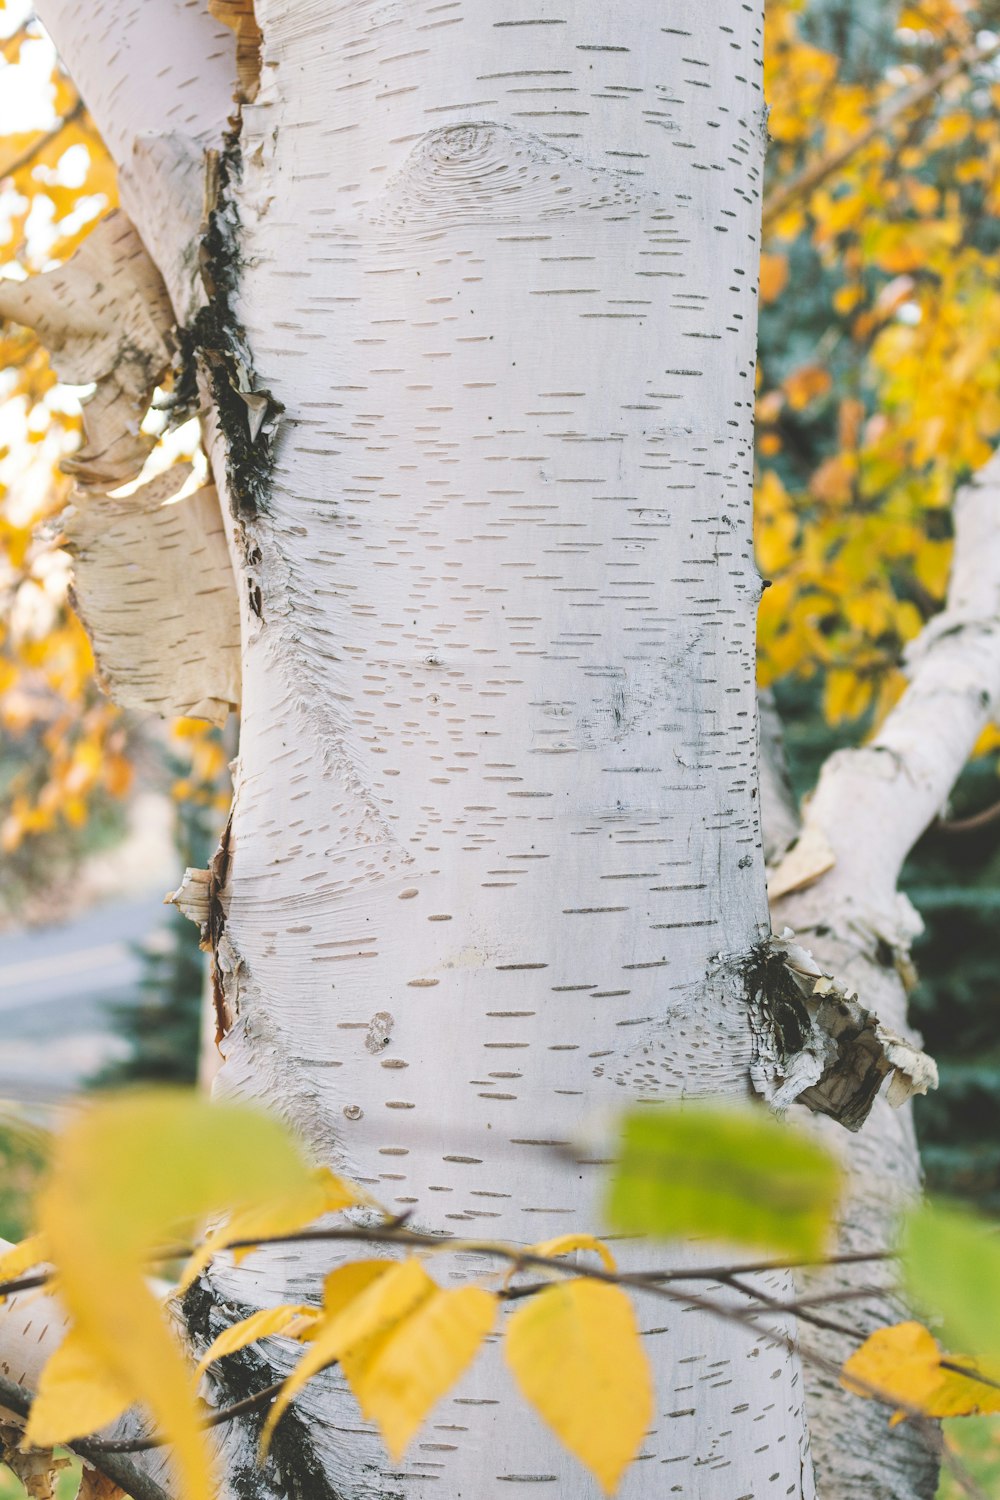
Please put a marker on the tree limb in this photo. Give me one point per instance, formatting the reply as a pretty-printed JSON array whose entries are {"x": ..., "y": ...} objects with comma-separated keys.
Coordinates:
[
  {"x": 870, "y": 806},
  {"x": 53, "y": 134},
  {"x": 800, "y": 184}
]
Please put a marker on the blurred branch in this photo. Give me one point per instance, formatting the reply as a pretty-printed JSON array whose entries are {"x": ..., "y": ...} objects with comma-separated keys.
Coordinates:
[
  {"x": 27, "y": 157},
  {"x": 972, "y": 824},
  {"x": 800, "y": 184},
  {"x": 11, "y": 44}
]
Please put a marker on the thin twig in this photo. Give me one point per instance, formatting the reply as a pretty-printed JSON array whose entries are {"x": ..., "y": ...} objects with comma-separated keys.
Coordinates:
[
  {"x": 800, "y": 184},
  {"x": 970, "y": 1374},
  {"x": 971, "y": 824},
  {"x": 107, "y": 1452},
  {"x": 389, "y": 1233},
  {"x": 25, "y": 1283},
  {"x": 217, "y": 1419}
]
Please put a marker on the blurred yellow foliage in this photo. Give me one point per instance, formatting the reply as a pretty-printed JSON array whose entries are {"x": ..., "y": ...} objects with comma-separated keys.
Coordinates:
[{"x": 882, "y": 187}]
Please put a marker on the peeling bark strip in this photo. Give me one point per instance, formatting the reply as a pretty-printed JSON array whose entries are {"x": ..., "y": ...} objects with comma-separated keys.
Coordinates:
[
  {"x": 153, "y": 578},
  {"x": 817, "y": 1043},
  {"x": 202, "y": 898},
  {"x": 104, "y": 317},
  {"x": 154, "y": 586},
  {"x": 239, "y": 16}
]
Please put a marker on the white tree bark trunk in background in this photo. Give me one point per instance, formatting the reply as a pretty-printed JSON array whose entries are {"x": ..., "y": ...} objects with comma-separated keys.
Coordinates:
[
  {"x": 870, "y": 807},
  {"x": 495, "y": 861}
]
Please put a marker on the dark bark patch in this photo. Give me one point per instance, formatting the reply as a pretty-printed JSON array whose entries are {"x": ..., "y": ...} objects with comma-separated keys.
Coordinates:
[
  {"x": 293, "y": 1469},
  {"x": 247, "y": 413}
]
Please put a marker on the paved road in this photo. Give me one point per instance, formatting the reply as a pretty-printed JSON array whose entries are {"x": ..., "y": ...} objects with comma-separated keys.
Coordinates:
[{"x": 54, "y": 985}]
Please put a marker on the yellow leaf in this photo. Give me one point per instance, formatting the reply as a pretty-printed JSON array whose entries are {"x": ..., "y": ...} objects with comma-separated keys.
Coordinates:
[
  {"x": 900, "y": 1362},
  {"x": 833, "y": 480},
  {"x": 845, "y": 696},
  {"x": 401, "y": 1342},
  {"x": 847, "y": 297},
  {"x": 360, "y": 1300},
  {"x": 295, "y": 1322},
  {"x": 564, "y": 1244},
  {"x": 904, "y": 1363},
  {"x": 576, "y": 1355},
  {"x": 347, "y": 1283},
  {"x": 76, "y": 1396},
  {"x": 773, "y": 276},
  {"x": 126, "y": 1175},
  {"x": 805, "y": 384},
  {"x": 322, "y": 1193},
  {"x": 988, "y": 741},
  {"x": 398, "y": 1376},
  {"x": 23, "y": 1257}
]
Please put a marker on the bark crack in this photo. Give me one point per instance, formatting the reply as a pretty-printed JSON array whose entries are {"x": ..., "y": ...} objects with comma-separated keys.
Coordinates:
[{"x": 216, "y": 338}]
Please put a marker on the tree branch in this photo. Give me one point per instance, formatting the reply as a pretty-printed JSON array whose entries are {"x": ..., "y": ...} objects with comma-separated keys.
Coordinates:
[
  {"x": 872, "y": 804},
  {"x": 809, "y": 178},
  {"x": 108, "y": 1454},
  {"x": 53, "y": 134},
  {"x": 395, "y": 1234},
  {"x": 972, "y": 824}
]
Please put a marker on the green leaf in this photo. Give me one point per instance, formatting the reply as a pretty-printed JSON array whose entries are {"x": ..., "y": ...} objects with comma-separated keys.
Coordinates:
[
  {"x": 738, "y": 1175},
  {"x": 951, "y": 1261}
]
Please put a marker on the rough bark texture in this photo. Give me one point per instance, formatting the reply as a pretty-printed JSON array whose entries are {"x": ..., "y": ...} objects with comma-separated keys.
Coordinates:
[{"x": 494, "y": 849}]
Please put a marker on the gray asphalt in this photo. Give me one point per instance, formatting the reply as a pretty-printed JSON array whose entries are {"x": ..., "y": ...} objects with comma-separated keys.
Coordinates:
[{"x": 54, "y": 986}]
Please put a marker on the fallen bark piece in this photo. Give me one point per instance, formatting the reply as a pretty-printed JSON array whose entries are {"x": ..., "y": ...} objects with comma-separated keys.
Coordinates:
[
  {"x": 105, "y": 318},
  {"x": 816, "y": 1042},
  {"x": 154, "y": 585}
]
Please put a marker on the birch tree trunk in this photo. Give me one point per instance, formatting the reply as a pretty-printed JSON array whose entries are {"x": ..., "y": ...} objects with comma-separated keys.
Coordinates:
[{"x": 494, "y": 864}]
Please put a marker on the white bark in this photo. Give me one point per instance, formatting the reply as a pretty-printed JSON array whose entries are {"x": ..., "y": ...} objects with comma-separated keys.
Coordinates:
[
  {"x": 495, "y": 796},
  {"x": 495, "y": 860},
  {"x": 154, "y": 586},
  {"x": 157, "y": 80},
  {"x": 870, "y": 807}
]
